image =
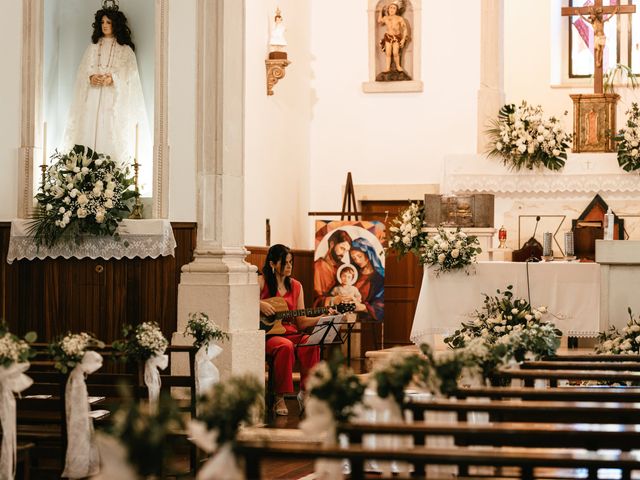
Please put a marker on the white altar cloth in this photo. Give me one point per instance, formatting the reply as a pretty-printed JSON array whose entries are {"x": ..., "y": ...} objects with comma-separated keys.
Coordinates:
[
  {"x": 138, "y": 238},
  {"x": 570, "y": 290}
]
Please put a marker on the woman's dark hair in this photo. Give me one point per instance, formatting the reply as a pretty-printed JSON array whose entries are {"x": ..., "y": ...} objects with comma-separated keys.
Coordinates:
[
  {"x": 277, "y": 253},
  {"x": 121, "y": 30}
]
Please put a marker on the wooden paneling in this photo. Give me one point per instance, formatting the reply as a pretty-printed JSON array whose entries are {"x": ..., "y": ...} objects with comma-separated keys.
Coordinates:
[
  {"x": 55, "y": 295},
  {"x": 403, "y": 278},
  {"x": 302, "y": 268}
]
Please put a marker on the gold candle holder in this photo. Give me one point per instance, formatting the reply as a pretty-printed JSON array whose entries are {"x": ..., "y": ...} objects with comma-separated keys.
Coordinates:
[
  {"x": 43, "y": 167},
  {"x": 136, "y": 212}
]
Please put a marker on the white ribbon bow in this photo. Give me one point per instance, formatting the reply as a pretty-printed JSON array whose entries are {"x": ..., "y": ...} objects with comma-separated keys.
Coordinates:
[
  {"x": 12, "y": 380},
  {"x": 205, "y": 371},
  {"x": 222, "y": 466},
  {"x": 113, "y": 457},
  {"x": 82, "y": 459},
  {"x": 319, "y": 421},
  {"x": 152, "y": 377}
]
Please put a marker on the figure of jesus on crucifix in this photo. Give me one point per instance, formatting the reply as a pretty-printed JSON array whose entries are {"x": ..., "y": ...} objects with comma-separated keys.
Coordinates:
[{"x": 597, "y": 15}]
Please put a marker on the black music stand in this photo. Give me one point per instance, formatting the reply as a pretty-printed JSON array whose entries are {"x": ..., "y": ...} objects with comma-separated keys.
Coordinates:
[{"x": 329, "y": 331}]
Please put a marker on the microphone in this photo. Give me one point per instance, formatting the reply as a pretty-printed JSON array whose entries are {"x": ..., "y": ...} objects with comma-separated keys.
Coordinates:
[{"x": 536, "y": 227}]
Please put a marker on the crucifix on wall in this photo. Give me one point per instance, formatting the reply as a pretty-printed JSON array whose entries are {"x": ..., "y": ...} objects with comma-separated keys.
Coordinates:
[{"x": 594, "y": 115}]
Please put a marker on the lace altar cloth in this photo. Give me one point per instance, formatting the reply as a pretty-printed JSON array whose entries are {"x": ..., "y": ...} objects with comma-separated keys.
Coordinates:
[
  {"x": 138, "y": 238},
  {"x": 570, "y": 290},
  {"x": 582, "y": 173}
]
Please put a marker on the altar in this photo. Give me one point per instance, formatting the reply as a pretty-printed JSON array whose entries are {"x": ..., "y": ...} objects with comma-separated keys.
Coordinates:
[
  {"x": 570, "y": 291},
  {"x": 151, "y": 238}
]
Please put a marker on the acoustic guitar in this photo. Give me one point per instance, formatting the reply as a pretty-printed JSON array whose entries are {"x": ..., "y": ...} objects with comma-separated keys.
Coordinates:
[{"x": 273, "y": 324}]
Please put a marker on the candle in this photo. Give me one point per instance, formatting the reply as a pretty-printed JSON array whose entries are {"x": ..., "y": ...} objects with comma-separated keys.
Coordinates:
[
  {"x": 136, "y": 152},
  {"x": 546, "y": 244},
  {"x": 44, "y": 145},
  {"x": 568, "y": 245}
]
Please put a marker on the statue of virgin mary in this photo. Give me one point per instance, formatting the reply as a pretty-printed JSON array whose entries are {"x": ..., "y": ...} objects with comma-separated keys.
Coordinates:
[{"x": 107, "y": 113}]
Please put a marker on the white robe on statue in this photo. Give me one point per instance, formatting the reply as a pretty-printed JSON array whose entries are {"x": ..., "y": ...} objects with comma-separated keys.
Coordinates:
[{"x": 105, "y": 117}]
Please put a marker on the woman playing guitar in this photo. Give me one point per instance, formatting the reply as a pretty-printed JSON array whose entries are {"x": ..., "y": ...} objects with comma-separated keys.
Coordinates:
[{"x": 276, "y": 281}]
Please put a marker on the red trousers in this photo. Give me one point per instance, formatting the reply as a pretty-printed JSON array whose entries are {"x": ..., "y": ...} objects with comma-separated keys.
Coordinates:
[{"x": 283, "y": 351}]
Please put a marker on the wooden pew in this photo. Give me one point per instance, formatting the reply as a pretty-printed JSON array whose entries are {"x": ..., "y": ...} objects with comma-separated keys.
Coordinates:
[
  {"x": 619, "y": 366},
  {"x": 568, "y": 394},
  {"x": 533, "y": 411},
  {"x": 253, "y": 452},
  {"x": 553, "y": 376}
]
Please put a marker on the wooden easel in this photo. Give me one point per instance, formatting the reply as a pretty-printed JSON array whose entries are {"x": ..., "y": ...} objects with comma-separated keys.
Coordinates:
[{"x": 350, "y": 209}]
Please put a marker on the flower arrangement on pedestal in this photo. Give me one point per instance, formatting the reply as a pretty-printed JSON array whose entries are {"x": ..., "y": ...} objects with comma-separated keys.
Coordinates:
[
  {"x": 83, "y": 192},
  {"x": 615, "y": 342},
  {"x": 445, "y": 250},
  {"x": 628, "y": 139},
  {"x": 523, "y": 138}
]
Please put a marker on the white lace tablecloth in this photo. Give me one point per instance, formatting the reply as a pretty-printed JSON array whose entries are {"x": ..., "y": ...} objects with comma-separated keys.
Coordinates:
[
  {"x": 138, "y": 238},
  {"x": 570, "y": 290}
]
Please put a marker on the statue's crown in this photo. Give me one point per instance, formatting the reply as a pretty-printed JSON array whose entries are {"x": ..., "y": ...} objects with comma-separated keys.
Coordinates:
[{"x": 110, "y": 5}]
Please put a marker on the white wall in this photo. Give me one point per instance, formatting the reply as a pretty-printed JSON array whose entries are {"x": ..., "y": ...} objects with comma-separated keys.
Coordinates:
[
  {"x": 394, "y": 138},
  {"x": 277, "y": 127},
  {"x": 11, "y": 61}
]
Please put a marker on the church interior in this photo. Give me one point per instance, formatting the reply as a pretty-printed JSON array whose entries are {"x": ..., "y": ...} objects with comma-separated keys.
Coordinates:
[{"x": 453, "y": 188}]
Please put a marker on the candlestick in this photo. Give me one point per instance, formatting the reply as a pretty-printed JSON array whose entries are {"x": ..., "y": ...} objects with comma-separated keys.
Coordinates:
[
  {"x": 44, "y": 144},
  {"x": 569, "y": 252},
  {"x": 502, "y": 237},
  {"x": 135, "y": 157}
]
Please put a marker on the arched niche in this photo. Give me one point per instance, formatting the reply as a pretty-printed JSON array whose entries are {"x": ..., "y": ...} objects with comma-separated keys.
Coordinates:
[{"x": 33, "y": 98}]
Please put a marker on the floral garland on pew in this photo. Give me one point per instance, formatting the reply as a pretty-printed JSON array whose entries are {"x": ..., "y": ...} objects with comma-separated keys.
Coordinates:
[
  {"x": 522, "y": 138},
  {"x": 14, "y": 361},
  {"x": 83, "y": 192},
  {"x": 335, "y": 394},
  {"x": 205, "y": 332},
  {"x": 146, "y": 343},
  {"x": 140, "y": 443},
  {"x": 222, "y": 410},
  {"x": 74, "y": 354},
  {"x": 615, "y": 342},
  {"x": 444, "y": 251}
]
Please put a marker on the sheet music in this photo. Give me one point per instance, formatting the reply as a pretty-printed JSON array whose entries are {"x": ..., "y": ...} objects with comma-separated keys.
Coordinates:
[{"x": 323, "y": 326}]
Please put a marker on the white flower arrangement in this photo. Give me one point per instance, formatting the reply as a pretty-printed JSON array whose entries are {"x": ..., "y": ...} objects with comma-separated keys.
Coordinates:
[
  {"x": 83, "y": 192},
  {"x": 142, "y": 342},
  {"x": 203, "y": 329},
  {"x": 69, "y": 350},
  {"x": 406, "y": 231},
  {"x": 502, "y": 315},
  {"x": 449, "y": 250},
  {"x": 12, "y": 348},
  {"x": 628, "y": 139},
  {"x": 523, "y": 138},
  {"x": 615, "y": 342}
]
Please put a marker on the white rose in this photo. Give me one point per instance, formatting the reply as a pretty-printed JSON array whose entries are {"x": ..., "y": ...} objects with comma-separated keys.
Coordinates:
[
  {"x": 108, "y": 203},
  {"x": 49, "y": 207},
  {"x": 84, "y": 170},
  {"x": 444, "y": 246},
  {"x": 455, "y": 253},
  {"x": 81, "y": 212},
  {"x": 111, "y": 186},
  {"x": 634, "y": 143},
  {"x": 441, "y": 258},
  {"x": 62, "y": 210},
  {"x": 74, "y": 192},
  {"x": 498, "y": 146},
  {"x": 67, "y": 200},
  {"x": 108, "y": 193},
  {"x": 634, "y": 152},
  {"x": 528, "y": 317},
  {"x": 100, "y": 216},
  {"x": 514, "y": 310},
  {"x": 70, "y": 186},
  {"x": 99, "y": 162},
  {"x": 82, "y": 199},
  {"x": 76, "y": 169},
  {"x": 406, "y": 240},
  {"x": 97, "y": 191}
]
